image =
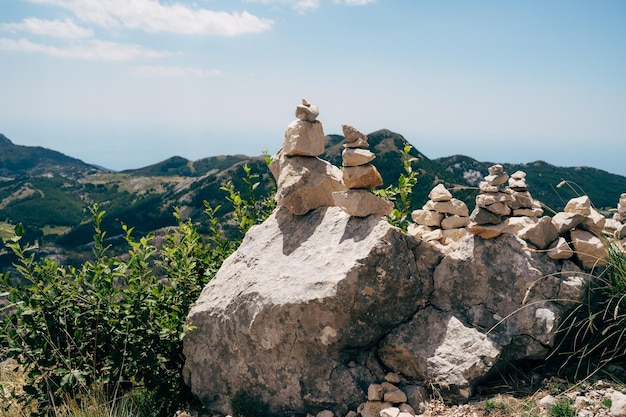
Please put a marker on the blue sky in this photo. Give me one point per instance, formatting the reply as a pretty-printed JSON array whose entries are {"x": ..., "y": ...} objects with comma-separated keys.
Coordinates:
[{"x": 128, "y": 83}]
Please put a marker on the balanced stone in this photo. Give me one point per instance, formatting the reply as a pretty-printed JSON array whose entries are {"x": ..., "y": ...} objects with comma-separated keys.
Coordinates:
[
  {"x": 303, "y": 138},
  {"x": 454, "y": 222},
  {"x": 495, "y": 169},
  {"x": 427, "y": 217},
  {"x": 356, "y": 156},
  {"x": 485, "y": 187},
  {"x": 440, "y": 193},
  {"x": 306, "y": 111},
  {"x": 481, "y": 216},
  {"x": 362, "y": 203},
  {"x": 518, "y": 175},
  {"x": 453, "y": 206},
  {"x": 362, "y": 176},
  {"x": 580, "y": 205},
  {"x": 484, "y": 200},
  {"x": 359, "y": 143},
  {"x": 352, "y": 135},
  {"x": 497, "y": 179}
]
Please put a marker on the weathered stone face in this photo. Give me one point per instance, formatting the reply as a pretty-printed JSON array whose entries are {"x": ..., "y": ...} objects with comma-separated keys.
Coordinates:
[
  {"x": 310, "y": 309},
  {"x": 302, "y": 298},
  {"x": 305, "y": 183}
]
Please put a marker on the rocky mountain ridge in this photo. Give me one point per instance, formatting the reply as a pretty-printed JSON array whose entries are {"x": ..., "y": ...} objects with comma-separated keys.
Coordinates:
[{"x": 49, "y": 192}]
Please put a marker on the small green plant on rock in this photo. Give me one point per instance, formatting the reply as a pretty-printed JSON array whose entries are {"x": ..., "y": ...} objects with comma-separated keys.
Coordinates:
[{"x": 562, "y": 408}]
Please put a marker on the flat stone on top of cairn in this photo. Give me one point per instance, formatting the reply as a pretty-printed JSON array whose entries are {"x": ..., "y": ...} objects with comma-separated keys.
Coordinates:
[{"x": 359, "y": 176}]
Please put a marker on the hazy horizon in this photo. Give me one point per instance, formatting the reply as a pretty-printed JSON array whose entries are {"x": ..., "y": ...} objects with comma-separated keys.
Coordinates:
[{"x": 501, "y": 81}]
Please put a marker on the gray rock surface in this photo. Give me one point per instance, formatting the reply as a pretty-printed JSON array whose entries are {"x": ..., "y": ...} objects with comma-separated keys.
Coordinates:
[{"x": 311, "y": 310}]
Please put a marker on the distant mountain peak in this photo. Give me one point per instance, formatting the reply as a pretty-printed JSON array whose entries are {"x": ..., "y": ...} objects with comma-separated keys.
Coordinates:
[{"x": 4, "y": 139}]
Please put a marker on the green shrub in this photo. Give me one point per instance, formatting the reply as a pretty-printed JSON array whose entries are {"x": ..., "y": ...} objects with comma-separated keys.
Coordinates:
[
  {"x": 593, "y": 334},
  {"x": 562, "y": 408},
  {"x": 400, "y": 194},
  {"x": 115, "y": 322}
]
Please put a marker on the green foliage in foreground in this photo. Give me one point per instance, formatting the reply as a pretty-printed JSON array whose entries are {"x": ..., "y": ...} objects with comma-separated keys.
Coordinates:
[
  {"x": 402, "y": 192},
  {"x": 115, "y": 322},
  {"x": 594, "y": 333}
]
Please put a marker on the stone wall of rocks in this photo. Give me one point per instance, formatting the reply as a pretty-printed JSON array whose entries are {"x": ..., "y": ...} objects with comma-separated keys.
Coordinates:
[{"x": 576, "y": 233}]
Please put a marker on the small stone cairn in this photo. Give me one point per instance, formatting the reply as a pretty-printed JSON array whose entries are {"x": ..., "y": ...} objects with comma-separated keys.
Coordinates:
[
  {"x": 304, "y": 181},
  {"x": 442, "y": 219},
  {"x": 523, "y": 203},
  {"x": 359, "y": 177},
  {"x": 387, "y": 400},
  {"x": 496, "y": 203}
]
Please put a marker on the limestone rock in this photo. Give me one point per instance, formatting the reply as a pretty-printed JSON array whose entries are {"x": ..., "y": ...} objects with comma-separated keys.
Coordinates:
[
  {"x": 304, "y": 138},
  {"x": 390, "y": 412},
  {"x": 440, "y": 193},
  {"x": 454, "y": 222},
  {"x": 453, "y": 206},
  {"x": 363, "y": 176},
  {"x": 427, "y": 217},
  {"x": 496, "y": 169},
  {"x": 307, "y": 112},
  {"x": 481, "y": 216},
  {"x": 361, "y": 203},
  {"x": 373, "y": 408},
  {"x": 501, "y": 209},
  {"x": 484, "y": 200},
  {"x": 560, "y": 249},
  {"x": 486, "y": 231},
  {"x": 514, "y": 225},
  {"x": 298, "y": 293},
  {"x": 594, "y": 222},
  {"x": 521, "y": 199},
  {"x": 580, "y": 205},
  {"x": 541, "y": 234},
  {"x": 437, "y": 357},
  {"x": 589, "y": 249},
  {"x": 375, "y": 392},
  {"x": 356, "y": 156},
  {"x": 352, "y": 135},
  {"x": 498, "y": 179},
  {"x": 566, "y": 221},
  {"x": 305, "y": 183}
]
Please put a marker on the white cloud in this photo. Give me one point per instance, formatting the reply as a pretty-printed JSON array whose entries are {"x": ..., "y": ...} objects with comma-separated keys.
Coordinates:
[
  {"x": 173, "y": 71},
  {"x": 152, "y": 16},
  {"x": 93, "y": 50},
  {"x": 56, "y": 28},
  {"x": 355, "y": 2},
  {"x": 301, "y": 6}
]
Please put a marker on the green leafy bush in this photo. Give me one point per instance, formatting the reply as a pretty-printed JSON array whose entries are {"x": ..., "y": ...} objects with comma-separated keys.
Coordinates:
[
  {"x": 401, "y": 193},
  {"x": 115, "y": 322}
]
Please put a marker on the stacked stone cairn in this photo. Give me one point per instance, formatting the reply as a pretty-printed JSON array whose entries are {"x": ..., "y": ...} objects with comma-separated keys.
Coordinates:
[
  {"x": 441, "y": 220},
  {"x": 387, "y": 400},
  {"x": 523, "y": 203},
  {"x": 304, "y": 181},
  {"x": 359, "y": 177},
  {"x": 501, "y": 209}
]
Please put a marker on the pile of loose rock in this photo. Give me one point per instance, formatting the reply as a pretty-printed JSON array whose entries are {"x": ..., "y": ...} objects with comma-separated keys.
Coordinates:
[
  {"x": 442, "y": 219},
  {"x": 573, "y": 233},
  {"x": 359, "y": 176},
  {"x": 387, "y": 400},
  {"x": 496, "y": 202}
]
